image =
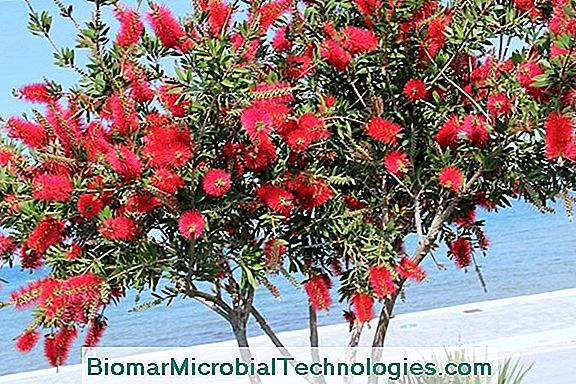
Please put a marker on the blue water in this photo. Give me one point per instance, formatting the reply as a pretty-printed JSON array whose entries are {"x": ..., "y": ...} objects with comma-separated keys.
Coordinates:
[{"x": 530, "y": 253}]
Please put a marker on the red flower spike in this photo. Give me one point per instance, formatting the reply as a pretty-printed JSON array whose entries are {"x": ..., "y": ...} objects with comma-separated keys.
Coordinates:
[
  {"x": 381, "y": 281},
  {"x": 173, "y": 101},
  {"x": 191, "y": 224},
  {"x": 274, "y": 252},
  {"x": 410, "y": 270},
  {"x": 89, "y": 205},
  {"x": 461, "y": 250},
  {"x": 167, "y": 181},
  {"x": 95, "y": 332},
  {"x": 277, "y": 199},
  {"x": 119, "y": 228},
  {"x": 415, "y": 89},
  {"x": 260, "y": 155},
  {"x": 53, "y": 188},
  {"x": 318, "y": 293},
  {"x": 36, "y": 93},
  {"x": 27, "y": 340},
  {"x": 48, "y": 232},
  {"x": 74, "y": 252},
  {"x": 352, "y": 203},
  {"x": 131, "y": 27},
  {"x": 451, "y": 178},
  {"x": 476, "y": 129},
  {"x": 363, "y": 305},
  {"x": 7, "y": 244},
  {"x": 216, "y": 182},
  {"x": 397, "y": 163},
  {"x": 32, "y": 134},
  {"x": 257, "y": 122},
  {"x": 560, "y": 141},
  {"x": 125, "y": 162},
  {"x": 359, "y": 40},
  {"x": 447, "y": 135},
  {"x": 335, "y": 55},
  {"x": 383, "y": 130},
  {"x": 280, "y": 40},
  {"x": 310, "y": 191},
  {"x": 219, "y": 16},
  {"x": 166, "y": 27},
  {"x": 499, "y": 105}
]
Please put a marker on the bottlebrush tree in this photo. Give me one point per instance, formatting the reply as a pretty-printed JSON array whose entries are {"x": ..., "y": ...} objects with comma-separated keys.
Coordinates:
[{"x": 309, "y": 139}]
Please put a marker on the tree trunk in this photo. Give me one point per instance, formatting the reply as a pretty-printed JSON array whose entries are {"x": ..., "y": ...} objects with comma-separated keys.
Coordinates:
[
  {"x": 381, "y": 330},
  {"x": 239, "y": 329},
  {"x": 352, "y": 350},
  {"x": 314, "y": 340}
]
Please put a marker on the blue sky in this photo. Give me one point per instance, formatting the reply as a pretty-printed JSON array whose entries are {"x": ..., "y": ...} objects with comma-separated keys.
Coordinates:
[{"x": 26, "y": 59}]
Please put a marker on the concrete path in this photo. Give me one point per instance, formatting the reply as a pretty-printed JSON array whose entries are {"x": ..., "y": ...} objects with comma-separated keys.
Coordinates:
[{"x": 539, "y": 329}]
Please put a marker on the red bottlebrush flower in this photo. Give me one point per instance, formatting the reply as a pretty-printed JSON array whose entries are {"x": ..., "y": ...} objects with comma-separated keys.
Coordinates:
[
  {"x": 257, "y": 122},
  {"x": 562, "y": 20},
  {"x": 369, "y": 7},
  {"x": 119, "y": 228},
  {"x": 310, "y": 191},
  {"x": 499, "y": 105},
  {"x": 219, "y": 16},
  {"x": 476, "y": 129},
  {"x": 363, "y": 305},
  {"x": 447, "y": 135},
  {"x": 397, "y": 163},
  {"x": 270, "y": 12},
  {"x": 352, "y": 203},
  {"x": 167, "y": 181},
  {"x": 274, "y": 251},
  {"x": 122, "y": 113},
  {"x": 131, "y": 27},
  {"x": 461, "y": 250},
  {"x": 7, "y": 158},
  {"x": 32, "y": 134},
  {"x": 483, "y": 240},
  {"x": 466, "y": 218},
  {"x": 173, "y": 101},
  {"x": 36, "y": 93},
  {"x": 7, "y": 244},
  {"x": 415, "y": 89},
  {"x": 260, "y": 155},
  {"x": 318, "y": 292},
  {"x": 298, "y": 140},
  {"x": 166, "y": 27},
  {"x": 29, "y": 295},
  {"x": 410, "y": 270},
  {"x": 166, "y": 144},
  {"x": 527, "y": 72},
  {"x": 314, "y": 126},
  {"x": 53, "y": 188},
  {"x": 89, "y": 205},
  {"x": 451, "y": 178},
  {"x": 560, "y": 141},
  {"x": 335, "y": 55},
  {"x": 141, "y": 203},
  {"x": 66, "y": 126},
  {"x": 95, "y": 332},
  {"x": 47, "y": 233},
  {"x": 276, "y": 198},
  {"x": 298, "y": 66},
  {"x": 359, "y": 40},
  {"x": 383, "y": 130},
  {"x": 435, "y": 36},
  {"x": 381, "y": 281},
  {"x": 280, "y": 41},
  {"x": 57, "y": 347},
  {"x": 140, "y": 88},
  {"x": 27, "y": 340},
  {"x": 75, "y": 251},
  {"x": 191, "y": 224},
  {"x": 125, "y": 162},
  {"x": 216, "y": 182}
]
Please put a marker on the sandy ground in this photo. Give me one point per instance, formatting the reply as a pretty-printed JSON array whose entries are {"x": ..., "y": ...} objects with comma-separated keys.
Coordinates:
[{"x": 539, "y": 329}]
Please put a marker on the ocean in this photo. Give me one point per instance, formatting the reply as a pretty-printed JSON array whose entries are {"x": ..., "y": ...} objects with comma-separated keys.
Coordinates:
[{"x": 530, "y": 253}]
